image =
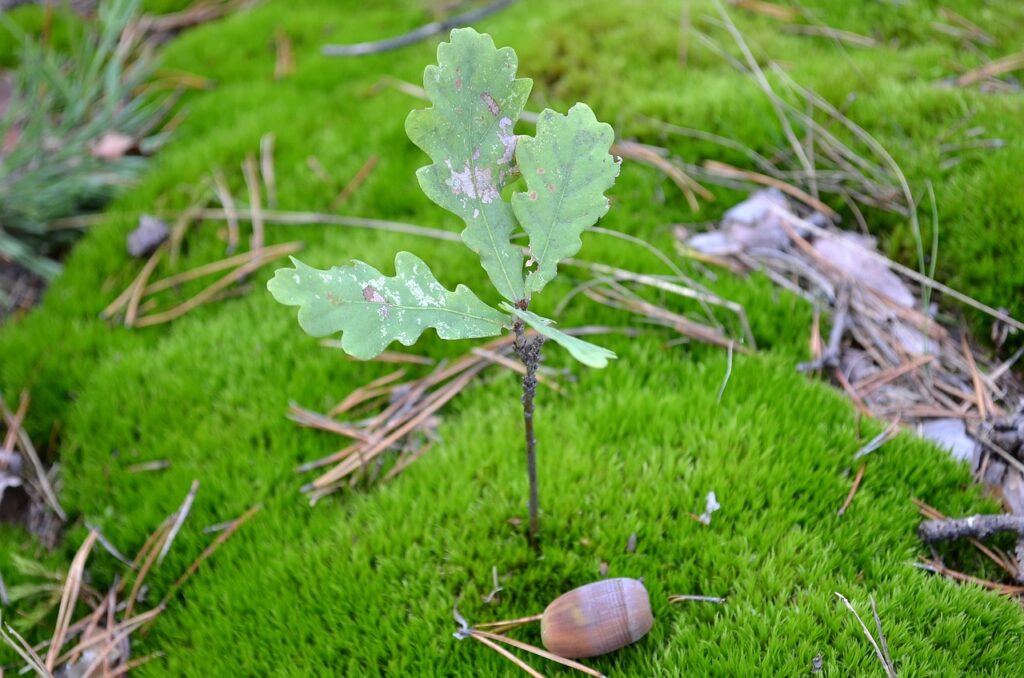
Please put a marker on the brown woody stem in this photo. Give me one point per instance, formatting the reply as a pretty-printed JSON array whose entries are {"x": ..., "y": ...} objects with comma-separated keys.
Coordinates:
[{"x": 528, "y": 350}]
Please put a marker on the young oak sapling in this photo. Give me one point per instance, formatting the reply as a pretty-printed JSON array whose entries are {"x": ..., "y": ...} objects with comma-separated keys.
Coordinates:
[{"x": 566, "y": 168}]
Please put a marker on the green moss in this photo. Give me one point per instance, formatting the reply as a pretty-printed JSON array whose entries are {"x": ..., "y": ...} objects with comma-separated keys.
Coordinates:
[{"x": 363, "y": 584}]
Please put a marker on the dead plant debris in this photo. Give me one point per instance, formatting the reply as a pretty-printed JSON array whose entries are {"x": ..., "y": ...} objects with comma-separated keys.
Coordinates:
[
  {"x": 99, "y": 642},
  {"x": 889, "y": 348},
  {"x": 399, "y": 416},
  {"x": 27, "y": 493},
  {"x": 138, "y": 303}
]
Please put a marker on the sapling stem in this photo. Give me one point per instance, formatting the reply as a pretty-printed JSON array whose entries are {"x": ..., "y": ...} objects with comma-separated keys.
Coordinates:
[{"x": 529, "y": 352}]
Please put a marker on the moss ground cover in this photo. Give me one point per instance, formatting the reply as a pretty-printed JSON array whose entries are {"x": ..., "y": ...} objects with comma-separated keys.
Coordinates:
[{"x": 364, "y": 584}]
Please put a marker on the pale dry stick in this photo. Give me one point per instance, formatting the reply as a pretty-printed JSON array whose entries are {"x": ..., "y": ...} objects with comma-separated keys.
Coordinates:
[
  {"x": 108, "y": 608},
  {"x": 834, "y": 34},
  {"x": 666, "y": 286},
  {"x": 679, "y": 323},
  {"x": 992, "y": 69},
  {"x": 213, "y": 267},
  {"x": 853, "y": 490},
  {"x": 220, "y": 187},
  {"x": 507, "y": 655},
  {"x": 101, "y": 657},
  {"x": 356, "y": 181},
  {"x": 148, "y": 466},
  {"x": 377, "y": 386},
  {"x": 980, "y": 34},
  {"x": 129, "y": 625},
  {"x": 310, "y": 419},
  {"x": 872, "y": 143},
  {"x": 728, "y": 373},
  {"x": 934, "y": 514},
  {"x": 507, "y": 362},
  {"x": 147, "y": 564},
  {"x": 433, "y": 403},
  {"x": 889, "y": 671},
  {"x": 138, "y": 287},
  {"x": 318, "y": 169},
  {"x": 117, "y": 634},
  {"x": 184, "y": 220},
  {"x": 217, "y": 287},
  {"x": 406, "y": 461},
  {"x": 255, "y": 210},
  {"x": 107, "y": 545},
  {"x": 495, "y": 588},
  {"x": 360, "y": 396},
  {"x": 762, "y": 81},
  {"x": 313, "y": 218},
  {"x": 69, "y": 596},
  {"x": 938, "y": 568},
  {"x": 210, "y": 550},
  {"x": 684, "y": 34},
  {"x": 979, "y": 389},
  {"x": 812, "y": 178},
  {"x": 881, "y": 636},
  {"x": 762, "y": 162},
  {"x": 27, "y": 653},
  {"x": 686, "y": 183},
  {"x": 13, "y": 426},
  {"x": 284, "y": 61},
  {"x": 196, "y": 14},
  {"x": 768, "y": 9},
  {"x": 1005, "y": 366},
  {"x": 881, "y": 439},
  {"x": 25, "y": 443},
  {"x": 663, "y": 258},
  {"x": 687, "y": 598},
  {"x": 424, "y": 32},
  {"x": 133, "y": 664},
  {"x": 508, "y": 624},
  {"x": 122, "y": 299},
  {"x": 267, "y": 169},
  {"x": 765, "y": 180},
  {"x": 869, "y": 384},
  {"x": 179, "y": 519},
  {"x": 5, "y": 598},
  {"x": 908, "y": 272},
  {"x": 329, "y": 459},
  {"x": 539, "y": 652}
]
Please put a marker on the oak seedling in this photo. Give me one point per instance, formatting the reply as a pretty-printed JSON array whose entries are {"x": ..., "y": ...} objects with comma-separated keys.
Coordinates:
[{"x": 564, "y": 170}]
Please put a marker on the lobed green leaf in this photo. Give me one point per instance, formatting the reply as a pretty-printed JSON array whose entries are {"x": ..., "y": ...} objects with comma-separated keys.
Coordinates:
[
  {"x": 567, "y": 168},
  {"x": 468, "y": 134},
  {"x": 372, "y": 310}
]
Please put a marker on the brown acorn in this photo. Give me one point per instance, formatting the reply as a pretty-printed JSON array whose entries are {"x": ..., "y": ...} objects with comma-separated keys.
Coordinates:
[{"x": 597, "y": 618}]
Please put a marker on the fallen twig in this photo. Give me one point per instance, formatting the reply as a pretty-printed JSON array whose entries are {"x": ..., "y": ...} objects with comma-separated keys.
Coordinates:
[
  {"x": 179, "y": 519},
  {"x": 853, "y": 490},
  {"x": 890, "y": 670},
  {"x": 421, "y": 33},
  {"x": 26, "y": 446},
  {"x": 1006, "y": 64},
  {"x": 257, "y": 259},
  {"x": 357, "y": 181},
  {"x": 68, "y": 599},
  {"x": 686, "y": 598},
  {"x": 977, "y": 526},
  {"x": 881, "y": 439}
]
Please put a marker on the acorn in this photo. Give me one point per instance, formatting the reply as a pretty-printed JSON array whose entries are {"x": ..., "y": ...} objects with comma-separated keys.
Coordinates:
[{"x": 597, "y": 618}]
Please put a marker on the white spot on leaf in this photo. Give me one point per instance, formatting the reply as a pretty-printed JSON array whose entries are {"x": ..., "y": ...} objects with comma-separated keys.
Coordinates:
[{"x": 507, "y": 139}]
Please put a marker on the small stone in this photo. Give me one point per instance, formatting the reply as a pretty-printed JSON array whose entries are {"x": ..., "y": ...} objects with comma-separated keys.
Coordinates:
[{"x": 147, "y": 236}]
